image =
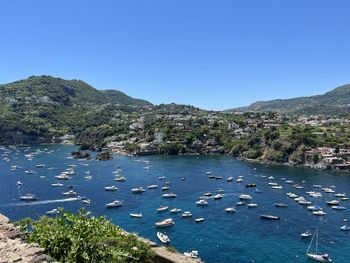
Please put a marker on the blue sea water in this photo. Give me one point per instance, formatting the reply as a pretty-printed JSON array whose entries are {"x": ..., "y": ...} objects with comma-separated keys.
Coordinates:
[{"x": 222, "y": 237}]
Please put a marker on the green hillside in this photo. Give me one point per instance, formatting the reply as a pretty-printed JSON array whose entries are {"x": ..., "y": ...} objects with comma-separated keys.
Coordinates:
[
  {"x": 42, "y": 108},
  {"x": 334, "y": 102}
]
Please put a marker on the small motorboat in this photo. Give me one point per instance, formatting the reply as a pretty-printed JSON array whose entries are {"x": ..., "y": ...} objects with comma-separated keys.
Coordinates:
[
  {"x": 165, "y": 188},
  {"x": 161, "y": 177},
  {"x": 306, "y": 234},
  {"x": 175, "y": 210},
  {"x": 277, "y": 187},
  {"x": 115, "y": 203},
  {"x": 186, "y": 214},
  {"x": 191, "y": 254},
  {"x": 289, "y": 182},
  {"x": 120, "y": 179},
  {"x": 217, "y": 197},
  {"x": 245, "y": 197},
  {"x": 162, "y": 208},
  {"x": 333, "y": 202},
  {"x": 153, "y": 186},
  {"x": 208, "y": 194},
  {"x": 57, "y": 185},
  {"x": 239, "y": 179},
  {"x": 340, "y": 195},
  {"x": 252, "y": 205},
  {"x": 319, "y": 213},
  {"x": 62, "y": 177},
  {"x": 198, "y": 220},
  {"x": 202, "y": 202},
  {"x": 163, "y": 238},
  {"x": 345, "y": 228},
  {"x": 317, "y": 185},
  {"x": 165, "y": 223},
  {"x": 70, "y": 193},
  {"x": 229, "y": 179},
  {"x": 86, "y": 201},
  {"x": 54, "y": 211},
  {"x": 230, "y": 210},
  {"x": 40, "y": 165},
  {"x": 218, "y": 177},
  {"x": 171, "y": 195},
  {"x": 250, "y": 185},
  {"x": 138, "y": 190},
  {"x": 282, "y": 205},
  {"x": 111, "y": 188},
  {"x": 221, "y": 190},
  {"x": 19, "y": 183},
  {"x": 269, "y": 217},
  {"x": 136, "y": 215},
  {"x": 28, "y": 197},
  {"x": 338, "y": 207},
  {"x": 240, "y": 203}
]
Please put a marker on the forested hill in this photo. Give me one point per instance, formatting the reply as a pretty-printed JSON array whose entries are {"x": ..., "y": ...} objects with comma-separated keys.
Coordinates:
[
  {"x": 47, "y": 89},
  {"x": 333, "y": 102},
  {"x": 42, "y": 108}
]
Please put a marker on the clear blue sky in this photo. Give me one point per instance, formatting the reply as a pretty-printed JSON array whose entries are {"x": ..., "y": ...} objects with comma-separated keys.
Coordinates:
[{"x": 214, "y": 54}]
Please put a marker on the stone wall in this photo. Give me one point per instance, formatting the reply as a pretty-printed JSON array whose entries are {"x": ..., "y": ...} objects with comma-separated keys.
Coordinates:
[{"x": 13, "y": 247}]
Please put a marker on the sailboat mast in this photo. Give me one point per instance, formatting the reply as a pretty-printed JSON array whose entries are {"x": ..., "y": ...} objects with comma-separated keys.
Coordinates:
[
  {"x": 316, "y": 239},
  {"x": 308, "y": 249}
]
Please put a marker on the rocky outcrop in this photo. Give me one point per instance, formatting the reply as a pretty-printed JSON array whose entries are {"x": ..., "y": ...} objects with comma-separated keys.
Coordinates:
[
  {"x": 14, "y": 248},
  {"x": 81, "y": 155},
  {"x": 104, "y": 156}
]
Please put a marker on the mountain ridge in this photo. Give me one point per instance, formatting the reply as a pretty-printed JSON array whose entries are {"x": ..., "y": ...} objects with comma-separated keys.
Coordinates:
[
  {"x": 65, "y": 92},
  {"x": 336, "y": 101}
]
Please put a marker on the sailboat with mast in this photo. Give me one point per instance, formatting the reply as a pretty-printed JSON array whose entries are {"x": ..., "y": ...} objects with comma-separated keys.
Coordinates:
[{"x": 317, "y": 256}]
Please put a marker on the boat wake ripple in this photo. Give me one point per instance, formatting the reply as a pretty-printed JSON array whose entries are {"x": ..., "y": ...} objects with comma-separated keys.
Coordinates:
[{"x": 42, "y": 202}]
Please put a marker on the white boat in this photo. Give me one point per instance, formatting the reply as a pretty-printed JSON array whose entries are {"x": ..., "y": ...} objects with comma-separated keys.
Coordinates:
[
  {"x": 57, "y": 185},
  {"x": 306, "y": 234},
  {"x": 340, "y": 195},
  {"x": 207, "y": 194},
  {"x": 198, "y": 220},
  {"x": 62, "y": 177},
  {"x": 162, "y": 208},
  {"x": 230, "y": 210},
  {"x": 221, "y": 190},
  {"x": 161, "y": 177},
  {"x": 138, "y": 190},
  {"x": 229, "y": 179},
  {"x": 28, "y": 197},
  {"x": 272, "y": 184},
  {"x": 111, "y": 188},
  {"x": 40, "y": 165},
  {"x": 208, "y": 173},
  {"x": 277, "y": 187},
  {"x": 115, "y": 203},
  {"x": 171, "y": 195},
  {"x": 191, "y": 254},
  {"x": 271, "y": 178},
  {"x": 120, "y": 179},
  {"x": 186, "y": 214},
  {"x": 269, "y": 217},
  {"x": 319, "y": 213},
  {"x": 345, "y": 228},
  {"x": 30, "y": 172},
  {"x": 153, "y": 186},
  {"x": 88, "y": 177},
  {"x": 239, "y": 180},
  {"x": 217, "y": 197},
  {"x": 86, "y": 201},
  {"x": 54, "y": 211},
  {"x": 317, "y": 185},
  {"x": 338, "y": 207},
  {"x": 202, "y": 202},
  {"x": 289, "y": 182},
  {"x": 317, "y": 256},
  {"x": 163, "y": 238},
  {"x": 19, "y": 183},
  {"x": 282, "y": 205},
  {"x": 165, "y": 223},
  {"x": 333, "y": 202},
  {"x": 70, "y": 193},
  {"x": 175, "y": 210},
  {"x": 136, "y": 215},
  {"x": 245, "y": 197},
  {"x": 240, "y": 203},
  {"x": 165, "y": 188},
  {"x": 252, "y": 205}
]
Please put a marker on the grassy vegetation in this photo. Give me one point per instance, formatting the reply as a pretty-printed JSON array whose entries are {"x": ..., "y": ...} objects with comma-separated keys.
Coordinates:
[{"x": 81, "y": 238}]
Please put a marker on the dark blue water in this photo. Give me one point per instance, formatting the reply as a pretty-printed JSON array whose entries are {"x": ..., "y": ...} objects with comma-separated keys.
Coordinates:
[{"x": 222, "y": 237}]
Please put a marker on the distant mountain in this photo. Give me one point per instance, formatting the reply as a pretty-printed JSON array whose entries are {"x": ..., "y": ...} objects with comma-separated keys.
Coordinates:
[
  {"x": 333, "y": 102},
  {"x": 64, "y": 92}
]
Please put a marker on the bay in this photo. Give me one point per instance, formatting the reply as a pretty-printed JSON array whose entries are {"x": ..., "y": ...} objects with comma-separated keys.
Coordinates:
[{"x": 222, "y": 237}]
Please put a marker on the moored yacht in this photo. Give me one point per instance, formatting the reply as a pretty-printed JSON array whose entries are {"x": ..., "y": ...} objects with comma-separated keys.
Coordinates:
[
  {"x": 115, "y": 203},
  {"x": 165, "y": 223}
]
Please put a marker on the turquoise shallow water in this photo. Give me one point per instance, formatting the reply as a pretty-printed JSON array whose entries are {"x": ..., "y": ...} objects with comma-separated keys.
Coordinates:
[{"x": 222, "y": 237}]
